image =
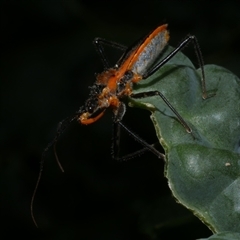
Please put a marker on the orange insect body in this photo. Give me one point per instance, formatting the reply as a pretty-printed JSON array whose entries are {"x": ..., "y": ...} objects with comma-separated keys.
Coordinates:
[{"x": 116, "y": 83}]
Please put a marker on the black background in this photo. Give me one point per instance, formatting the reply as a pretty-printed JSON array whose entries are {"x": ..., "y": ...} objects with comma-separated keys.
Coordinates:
[{"x": 47, "y": 63}]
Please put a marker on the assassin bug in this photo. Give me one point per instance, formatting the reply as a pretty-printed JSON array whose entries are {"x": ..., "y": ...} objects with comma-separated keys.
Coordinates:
[{"x": 115, "y": 84}]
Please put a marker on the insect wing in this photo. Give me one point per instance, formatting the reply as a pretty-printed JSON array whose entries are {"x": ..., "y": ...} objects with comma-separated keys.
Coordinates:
[{"x": 148, "y": 52}]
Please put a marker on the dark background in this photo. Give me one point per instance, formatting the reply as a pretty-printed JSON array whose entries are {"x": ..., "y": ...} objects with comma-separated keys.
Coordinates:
[{"x": 47, "y": 63}]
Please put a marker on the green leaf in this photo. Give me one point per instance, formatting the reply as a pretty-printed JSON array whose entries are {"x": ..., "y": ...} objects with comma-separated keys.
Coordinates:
[
  {"x": 224, "y": 236},
  {"x": 202, "y": 168}
]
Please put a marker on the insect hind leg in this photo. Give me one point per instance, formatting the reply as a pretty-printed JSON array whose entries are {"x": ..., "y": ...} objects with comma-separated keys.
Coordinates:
[{"x": 181, "y": 46}]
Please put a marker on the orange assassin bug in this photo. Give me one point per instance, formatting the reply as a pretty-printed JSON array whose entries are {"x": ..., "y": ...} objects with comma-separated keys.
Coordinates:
[{"x": 115, "y": 84}]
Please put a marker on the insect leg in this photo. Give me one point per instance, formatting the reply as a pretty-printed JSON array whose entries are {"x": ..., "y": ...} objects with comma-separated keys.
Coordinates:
[
  {"x": 149, "y": 147},
  {"x": 157, "y": 93},
  {"x": 183, "y": 44},
  {"x": 116, "y": 138},
  {"x": 99, "y": 42}
]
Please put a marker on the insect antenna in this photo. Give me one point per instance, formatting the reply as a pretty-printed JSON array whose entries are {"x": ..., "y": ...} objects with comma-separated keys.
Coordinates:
[{"x": 61, "y": 128}]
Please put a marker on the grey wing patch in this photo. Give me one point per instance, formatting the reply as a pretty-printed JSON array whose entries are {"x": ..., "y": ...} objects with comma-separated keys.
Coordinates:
[{"x": 150, "y": 53}]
